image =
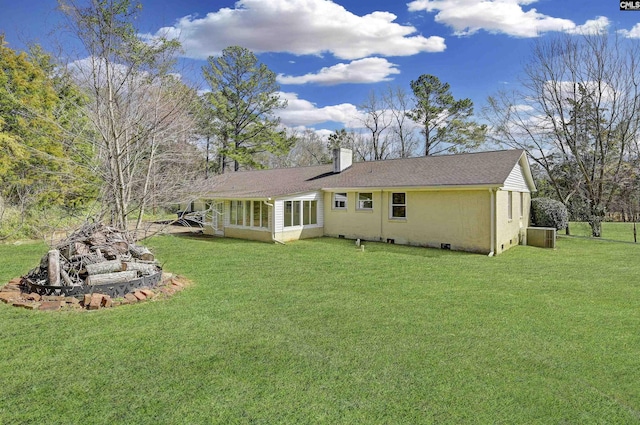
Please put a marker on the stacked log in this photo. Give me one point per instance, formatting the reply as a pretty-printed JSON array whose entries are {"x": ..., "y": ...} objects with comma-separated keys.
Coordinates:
[
  {"x": 117, "y": 277},
  {"x": 104, "y": 267},
  {"x": 93, "y": 255},
  {"x": 53, "y": 267}
]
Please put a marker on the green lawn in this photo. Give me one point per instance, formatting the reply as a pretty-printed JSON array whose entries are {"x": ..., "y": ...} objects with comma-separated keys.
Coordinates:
[
  {"x": 613, "y": 231},
  {"x": 319, "y": 332}
]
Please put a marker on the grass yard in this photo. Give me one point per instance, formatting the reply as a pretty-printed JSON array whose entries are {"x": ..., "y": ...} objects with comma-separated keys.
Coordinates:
[
  {"x": 612, "y": 231},
  {"x": 319, "y": 332}
]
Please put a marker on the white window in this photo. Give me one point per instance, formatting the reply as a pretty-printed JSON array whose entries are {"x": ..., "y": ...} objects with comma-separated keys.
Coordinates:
[
  {"x": 521, "y": 204},
  {"x": 340, "y": 201},
  {"x": 310, "y": 212},
  {"x": 291, "y": 213},
  {"x": 257, "y": 216},
  {"x": 398, "y": 205},
  {"x": 288, "y": 210},
  {"x": 365, "y": 201},
  {"x": 248, "y": 214},
  {"x": 232, "y": 213},
  {"x": 236, "y": 213},
  {"x": 264, "y": 215},
  {"x": 300, "y": 212},
  {"x": 510, "y": 205}
]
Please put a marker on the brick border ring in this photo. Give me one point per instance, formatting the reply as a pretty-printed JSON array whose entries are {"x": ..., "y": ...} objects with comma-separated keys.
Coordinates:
[{"x": 91, "y": 297}]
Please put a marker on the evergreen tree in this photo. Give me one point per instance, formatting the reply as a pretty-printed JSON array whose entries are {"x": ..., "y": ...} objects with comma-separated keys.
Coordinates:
[
  {"x": 446, "y": 122},
  {"x": 243, "y": 98},
  {"x": 36, "y": 166}
]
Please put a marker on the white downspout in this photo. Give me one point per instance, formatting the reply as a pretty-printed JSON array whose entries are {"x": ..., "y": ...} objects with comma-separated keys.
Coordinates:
[
  {"x": 382, "y": 213},
  {"x": 493, "y": 222},
  {"x": 273, "y": 227}
]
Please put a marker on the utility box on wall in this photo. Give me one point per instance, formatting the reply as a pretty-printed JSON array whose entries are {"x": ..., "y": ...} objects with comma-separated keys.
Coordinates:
[{"x": 542, "y": 237}]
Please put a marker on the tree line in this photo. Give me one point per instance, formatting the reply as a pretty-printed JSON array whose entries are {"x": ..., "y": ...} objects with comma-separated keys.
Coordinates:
[
  {"x": 242, "y": 131},
  {"x": 577, "y": 116},
  {"x": 117, "y": 132}
]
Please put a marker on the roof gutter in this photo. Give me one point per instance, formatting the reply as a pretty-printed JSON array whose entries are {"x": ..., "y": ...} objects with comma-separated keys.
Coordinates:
[{"x": 413, "y": 188}]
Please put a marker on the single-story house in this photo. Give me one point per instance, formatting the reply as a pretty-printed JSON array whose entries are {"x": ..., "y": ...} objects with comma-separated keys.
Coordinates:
[{"x": 476, "y": 202}]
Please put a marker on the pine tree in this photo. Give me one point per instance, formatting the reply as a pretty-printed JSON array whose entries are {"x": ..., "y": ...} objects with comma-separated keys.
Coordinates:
[
  {"x": 446, "y": 122},
  {"x": 243, "y": 98}
]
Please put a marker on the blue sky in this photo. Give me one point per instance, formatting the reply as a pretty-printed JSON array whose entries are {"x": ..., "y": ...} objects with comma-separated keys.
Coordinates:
[{"x": 330, "y": 55}]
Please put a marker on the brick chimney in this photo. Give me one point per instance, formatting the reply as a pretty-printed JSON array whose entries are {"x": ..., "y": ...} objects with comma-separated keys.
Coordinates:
[{"x": 342, "y": 159}]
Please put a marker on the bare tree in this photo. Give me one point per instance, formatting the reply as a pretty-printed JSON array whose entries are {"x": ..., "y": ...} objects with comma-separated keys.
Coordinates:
[
  {"x": 137, "y": 106},
  {"x": 350, "y": 139},
  {"x": 309, "y": 149},
  {"x": 401, "y": 129},
  {"x": 577, "y": 116},
  {"x": 376, "y": 119}
]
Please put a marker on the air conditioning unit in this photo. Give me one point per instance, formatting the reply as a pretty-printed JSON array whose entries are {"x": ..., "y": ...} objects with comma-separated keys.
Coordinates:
[{"x": 542, "y": 237}]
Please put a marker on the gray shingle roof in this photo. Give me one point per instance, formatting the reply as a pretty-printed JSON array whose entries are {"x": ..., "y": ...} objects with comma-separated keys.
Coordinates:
[{"x": 473, "y": 169}]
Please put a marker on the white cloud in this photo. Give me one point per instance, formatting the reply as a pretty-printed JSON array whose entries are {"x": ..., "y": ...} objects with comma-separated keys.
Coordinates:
[
  {"x": 601, "y": 92},
  {"x": 496, "y": 16},
  {"x": 300, "y": 112},
  {"x": 323, "y": 133},
  {"x": 633, "y": 33},
  {"x": 313, "y": 27},
  {"x": 93, "y": 70},
  {"x": 368, "y": 70},
  {"x": 591, "y": 27},
  {"x": 521, "y": 108}
]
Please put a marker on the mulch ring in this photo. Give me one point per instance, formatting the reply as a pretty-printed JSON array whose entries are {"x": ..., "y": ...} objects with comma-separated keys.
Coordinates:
[{"x": 11, "y": 293}]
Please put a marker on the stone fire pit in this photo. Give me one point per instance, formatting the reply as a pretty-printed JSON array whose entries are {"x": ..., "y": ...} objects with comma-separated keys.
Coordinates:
[{"x": 92, "y": 267}]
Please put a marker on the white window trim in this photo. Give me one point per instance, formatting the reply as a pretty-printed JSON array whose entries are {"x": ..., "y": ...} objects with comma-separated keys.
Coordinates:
[
  {"x": 233, "y": 208},
  {"x": 510, "y": 205},
  {"x": 391, "y": 205},
  {"x": 333, "y": 200},
  {"x": 301, "y": 215},
  {"x": 358, "y": 207},
  {"x": 311, "y": 202},
  {"x": 252, "y": 225},
  {"x": 260, "y": 225},
  {"x": 521, "y": 204},
  {"x": 284, "y": 214}
]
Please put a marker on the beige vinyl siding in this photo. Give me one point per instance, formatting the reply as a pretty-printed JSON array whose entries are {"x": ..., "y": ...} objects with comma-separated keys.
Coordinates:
[
  {"x": 301, "y": 231},
  {"x": 278, "y": 215}
]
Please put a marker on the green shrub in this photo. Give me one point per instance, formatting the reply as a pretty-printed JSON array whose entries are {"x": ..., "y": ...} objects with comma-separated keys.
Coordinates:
[{"x": 547, "y": 212}]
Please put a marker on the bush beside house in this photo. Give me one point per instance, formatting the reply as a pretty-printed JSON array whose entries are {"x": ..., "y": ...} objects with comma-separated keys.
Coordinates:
[{"x": 547, "y": 212}]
